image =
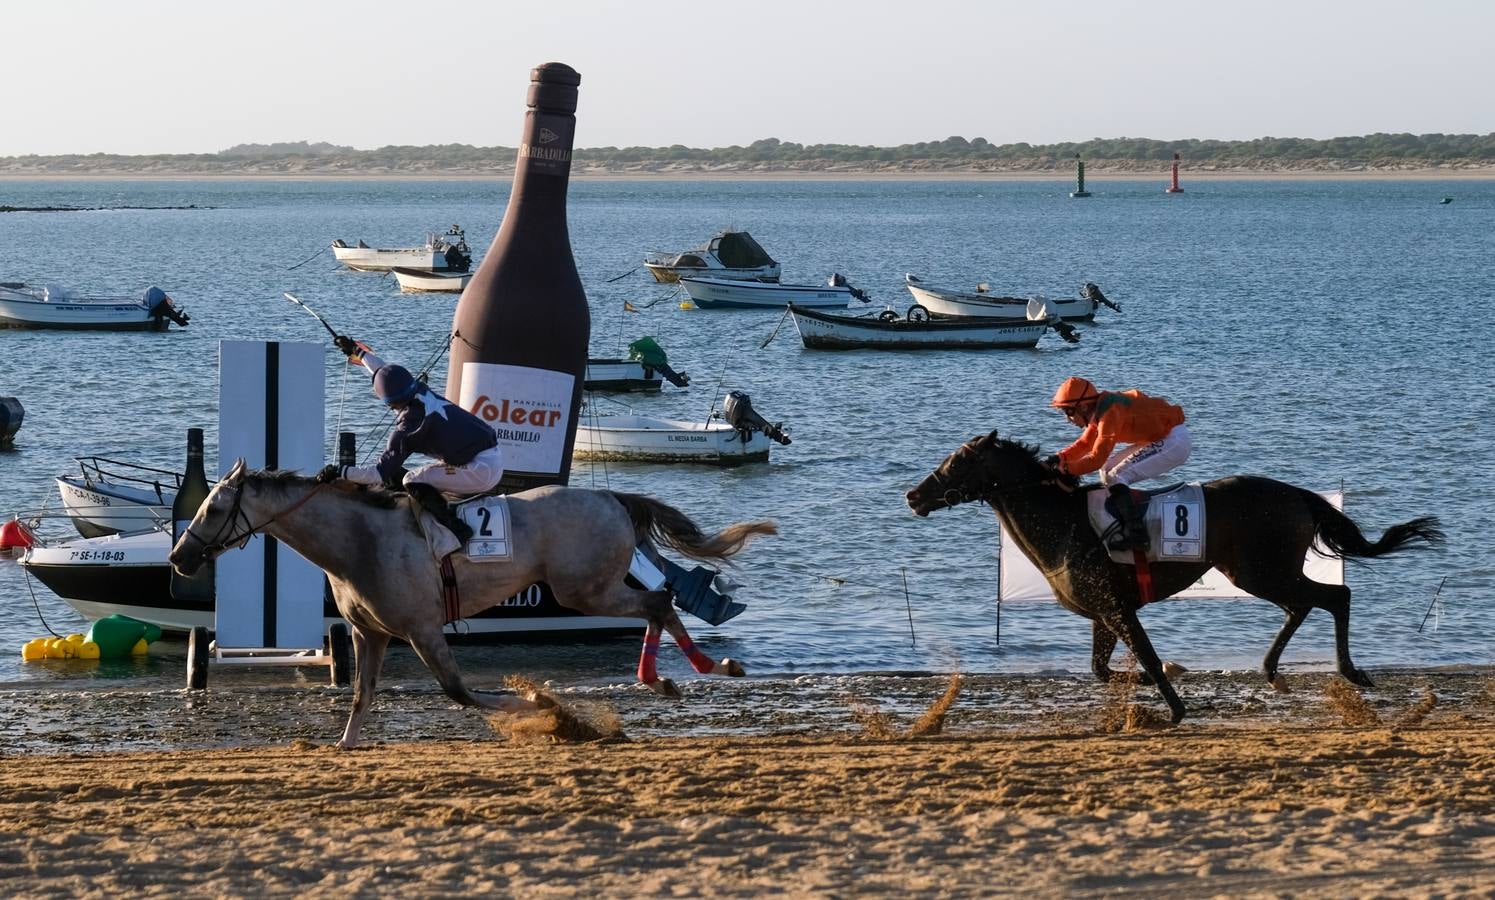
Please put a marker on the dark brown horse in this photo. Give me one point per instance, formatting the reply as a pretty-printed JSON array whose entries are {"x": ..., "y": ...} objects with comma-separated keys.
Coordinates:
[{"x": 1258, "y": 532}]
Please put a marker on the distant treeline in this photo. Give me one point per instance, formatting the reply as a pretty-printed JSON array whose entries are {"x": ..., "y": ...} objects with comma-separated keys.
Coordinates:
[{"x": 954, "y": 153}]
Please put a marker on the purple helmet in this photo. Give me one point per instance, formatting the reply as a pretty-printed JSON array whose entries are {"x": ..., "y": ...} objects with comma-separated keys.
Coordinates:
[{"x": 395, "y": 384}]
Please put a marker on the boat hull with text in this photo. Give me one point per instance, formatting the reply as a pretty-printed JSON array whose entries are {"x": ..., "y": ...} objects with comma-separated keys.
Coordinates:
[{"x": 823, "y": 331}]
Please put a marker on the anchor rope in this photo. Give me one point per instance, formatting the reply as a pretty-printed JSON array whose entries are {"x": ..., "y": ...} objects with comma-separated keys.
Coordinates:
[{"x": 308, "y": 259}]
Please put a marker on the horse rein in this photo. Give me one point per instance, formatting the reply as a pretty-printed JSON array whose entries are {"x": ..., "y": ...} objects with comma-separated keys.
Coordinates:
[
  {"x": 219, "y": 544},
  {"x": 963, "y": 494}
]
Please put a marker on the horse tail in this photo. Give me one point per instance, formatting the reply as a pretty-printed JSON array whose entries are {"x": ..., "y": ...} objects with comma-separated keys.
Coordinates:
[
  {"x": 1344, "y": 539},
  {"x": 673, "y": 528}
]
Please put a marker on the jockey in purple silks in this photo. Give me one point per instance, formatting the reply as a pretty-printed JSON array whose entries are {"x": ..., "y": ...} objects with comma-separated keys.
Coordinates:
[{"x": 465, "y": 447}]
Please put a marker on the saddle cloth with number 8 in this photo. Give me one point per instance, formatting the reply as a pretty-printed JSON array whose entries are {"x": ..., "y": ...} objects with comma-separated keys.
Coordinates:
[{"x": 1174, "y": 520}]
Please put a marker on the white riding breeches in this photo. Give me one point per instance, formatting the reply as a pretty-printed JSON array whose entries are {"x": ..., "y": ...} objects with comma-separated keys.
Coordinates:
[
  {"x": 1140, "y": 462},
  {"x": 479, "y": 475}
]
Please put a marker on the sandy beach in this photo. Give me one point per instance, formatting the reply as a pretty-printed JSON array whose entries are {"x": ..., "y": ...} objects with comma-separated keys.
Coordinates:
[{"x": 1237, "y": 805}]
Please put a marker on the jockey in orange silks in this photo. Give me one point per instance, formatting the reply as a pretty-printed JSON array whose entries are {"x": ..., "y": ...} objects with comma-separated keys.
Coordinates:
[{"x": 1152, "y": 429}]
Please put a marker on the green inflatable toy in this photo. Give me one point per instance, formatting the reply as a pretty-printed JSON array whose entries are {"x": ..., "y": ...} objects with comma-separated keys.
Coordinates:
[{"x": 117, "y": 635}]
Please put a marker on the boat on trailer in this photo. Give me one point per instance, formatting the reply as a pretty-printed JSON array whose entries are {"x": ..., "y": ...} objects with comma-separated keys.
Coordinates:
[
  {"x": 54, "y": 306},
  {"x": 719, "y": 293},
  {"x": 982, "y": 303},
  {"x": 421, "y": 281},
  {"x": 888, "y": 331},
  {"x": 440, "y": 253},
  {"x": 732, "y": 255},
  {"x": 735, "y": 436}
]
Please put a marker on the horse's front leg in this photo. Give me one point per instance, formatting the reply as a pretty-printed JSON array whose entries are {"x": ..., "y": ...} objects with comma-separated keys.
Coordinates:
[
  {"x": 698, "y": 660},
  {"x": 431, "y": 646},
  {"x": 1295, "y": 617},
  {"x": 368, "y": 659},
  {"x": 1128, "y": 627}
]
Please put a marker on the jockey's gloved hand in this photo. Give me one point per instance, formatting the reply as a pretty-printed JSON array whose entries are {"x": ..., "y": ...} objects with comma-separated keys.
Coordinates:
[
  {"x": 1052, "y": 461},
  {"x": 396, "y": 482},
  {"x": 329, "y": 473},
  {"x": 346, "y": 345}
]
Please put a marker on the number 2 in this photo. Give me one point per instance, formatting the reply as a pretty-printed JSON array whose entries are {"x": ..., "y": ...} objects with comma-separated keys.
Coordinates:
[{"x": 484, "y": 512}]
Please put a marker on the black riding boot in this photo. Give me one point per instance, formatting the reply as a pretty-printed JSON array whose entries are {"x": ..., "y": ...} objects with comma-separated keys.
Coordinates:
[
  {"x": 433, "y": 502},
  {"x": 1133, "y": 534}
]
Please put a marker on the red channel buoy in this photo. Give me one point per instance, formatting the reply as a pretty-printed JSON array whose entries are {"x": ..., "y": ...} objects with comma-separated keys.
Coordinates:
[{"x": 15, "y": 538}]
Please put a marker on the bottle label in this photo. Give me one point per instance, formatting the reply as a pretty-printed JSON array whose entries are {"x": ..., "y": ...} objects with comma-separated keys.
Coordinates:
[
  {"x": 529, "y": 409},
  {"x": 551, "y": 152}
]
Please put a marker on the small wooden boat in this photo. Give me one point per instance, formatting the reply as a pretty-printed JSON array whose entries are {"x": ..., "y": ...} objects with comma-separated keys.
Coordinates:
[
  {"x": 732, "y": 255},
  {"x": 53, "y": 306},
  {"x": 441, "y": 253},
  {"x": 645, "y": 369},
  {"x": 420, "y": 281},
  {"x": 129, "y": 574},
  {"x": 718, "y": 293},
  {"x": 944, "y": 301},
  {"x": 824, "y": 331},
  {"x": 110, "y": 497},
  {"x": 733, "y": 437}
]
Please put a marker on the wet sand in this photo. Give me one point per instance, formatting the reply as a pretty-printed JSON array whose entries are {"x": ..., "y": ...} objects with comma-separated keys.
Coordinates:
[{"x": 1255, "y": 795}]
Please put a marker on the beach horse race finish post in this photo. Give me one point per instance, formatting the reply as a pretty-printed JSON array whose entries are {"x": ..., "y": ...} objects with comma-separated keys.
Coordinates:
[
  {"x": 387, "y": 583},
  {"x": 1259, "y": 531}
]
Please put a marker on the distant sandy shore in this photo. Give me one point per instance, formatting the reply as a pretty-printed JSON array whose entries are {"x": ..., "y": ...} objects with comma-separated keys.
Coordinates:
[
  {"x": 1245, "y": 804},
  {"x": 1065, "y": 177}
]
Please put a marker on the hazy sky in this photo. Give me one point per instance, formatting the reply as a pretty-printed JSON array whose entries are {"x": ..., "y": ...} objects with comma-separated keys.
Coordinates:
[{"x": 151, "y": 76}]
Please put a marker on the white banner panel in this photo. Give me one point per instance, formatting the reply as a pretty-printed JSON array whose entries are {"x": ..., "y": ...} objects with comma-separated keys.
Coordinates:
[
  {"x": 1019, "y": 579},
  {"x": 271, "y": 414}
]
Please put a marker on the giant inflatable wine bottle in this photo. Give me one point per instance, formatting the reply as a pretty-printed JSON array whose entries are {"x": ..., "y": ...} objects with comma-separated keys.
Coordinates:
[
  {"x": 189, "y": 496},
  {"x": 519, "y": 357}
]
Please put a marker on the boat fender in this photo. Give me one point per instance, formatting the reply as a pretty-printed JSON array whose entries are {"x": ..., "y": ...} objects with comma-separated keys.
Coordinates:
[{"x": 15, "y": 539}]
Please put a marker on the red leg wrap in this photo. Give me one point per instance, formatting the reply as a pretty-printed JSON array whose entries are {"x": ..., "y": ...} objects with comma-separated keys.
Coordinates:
[
  {"x": 647, "y": 672},
  {"x": 702, "y": 663}
]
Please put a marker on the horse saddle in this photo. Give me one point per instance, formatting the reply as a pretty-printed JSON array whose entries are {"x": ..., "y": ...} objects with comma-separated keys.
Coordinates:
[{"x": 1173, "y": 516}]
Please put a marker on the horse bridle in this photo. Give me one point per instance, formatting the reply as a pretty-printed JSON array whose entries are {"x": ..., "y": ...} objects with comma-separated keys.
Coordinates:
[
  {"x": 219, "y": 544},
  {"x": 963, "y": 494}
]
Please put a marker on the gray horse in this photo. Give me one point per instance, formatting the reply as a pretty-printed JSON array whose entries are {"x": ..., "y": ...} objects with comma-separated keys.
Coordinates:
[{"x": 387, "y": 584}]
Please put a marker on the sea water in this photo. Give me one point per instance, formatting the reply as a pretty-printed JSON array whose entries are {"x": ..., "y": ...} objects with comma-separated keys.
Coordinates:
[{"x": 1326, "y": 333}]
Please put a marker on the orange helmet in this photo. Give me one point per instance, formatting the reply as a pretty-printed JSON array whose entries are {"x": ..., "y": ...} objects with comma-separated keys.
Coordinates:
[{"x": 1074, "y": 391}]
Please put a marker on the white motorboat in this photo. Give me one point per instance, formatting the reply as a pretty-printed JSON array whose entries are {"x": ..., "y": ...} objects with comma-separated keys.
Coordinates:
[
  {"x": 732, "y": 255},
  {"x": 718, "y": 293},
  {"x": 945, "y": 301},
  {"x": 54, "y": 306},
  {"x": 733, "y": 437},
  {"x": 129, "y": 574},
  {"x": 441, "y": 253},
  {"x": 420, "y": 281},
  {"x": 109, "y": 496},
  {"x": 824, "y": 331}
]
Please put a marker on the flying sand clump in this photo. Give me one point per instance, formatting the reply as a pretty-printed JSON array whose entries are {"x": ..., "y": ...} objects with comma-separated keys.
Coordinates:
[{"x": 554, "y": 721}]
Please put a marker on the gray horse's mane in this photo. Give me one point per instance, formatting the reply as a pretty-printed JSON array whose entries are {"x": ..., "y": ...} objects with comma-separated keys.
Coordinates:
[{"x": 281, "y": 481}]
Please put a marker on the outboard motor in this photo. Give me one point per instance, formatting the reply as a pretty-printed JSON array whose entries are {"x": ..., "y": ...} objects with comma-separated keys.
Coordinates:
[
  {"x": 1091, "y": 291},
  {"x": 11, "y": 414},
  {"x": 839, "y": 280},
  {"x": 647, "y": 351},
  {"x": 737, "y": 409},
  {"x": 458, "y": 258},
  {"x": 162, "y": 308}
]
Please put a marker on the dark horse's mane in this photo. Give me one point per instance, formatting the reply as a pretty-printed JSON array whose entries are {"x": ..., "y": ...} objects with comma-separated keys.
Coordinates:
[
  {"x": 281, "y": 481},
  {"x": 1031, "y": 453}
]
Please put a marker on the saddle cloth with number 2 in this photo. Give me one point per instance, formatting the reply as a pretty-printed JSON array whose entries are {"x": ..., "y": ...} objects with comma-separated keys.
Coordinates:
[{"x": 1174, "y": 519}]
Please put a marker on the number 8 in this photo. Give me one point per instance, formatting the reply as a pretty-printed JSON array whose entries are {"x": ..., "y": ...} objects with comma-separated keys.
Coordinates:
[{"x": 1180, "y": 520}]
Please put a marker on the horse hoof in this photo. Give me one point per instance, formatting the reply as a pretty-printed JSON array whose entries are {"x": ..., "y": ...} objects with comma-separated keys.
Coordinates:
[
  {"x": 733, "y": 668},
  {"x": 1279, "y": 684},
  {"x": 1360, "y": 678},
  {"x": 665, "y": 687},
  {"x": 1173, "y": 669}
]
